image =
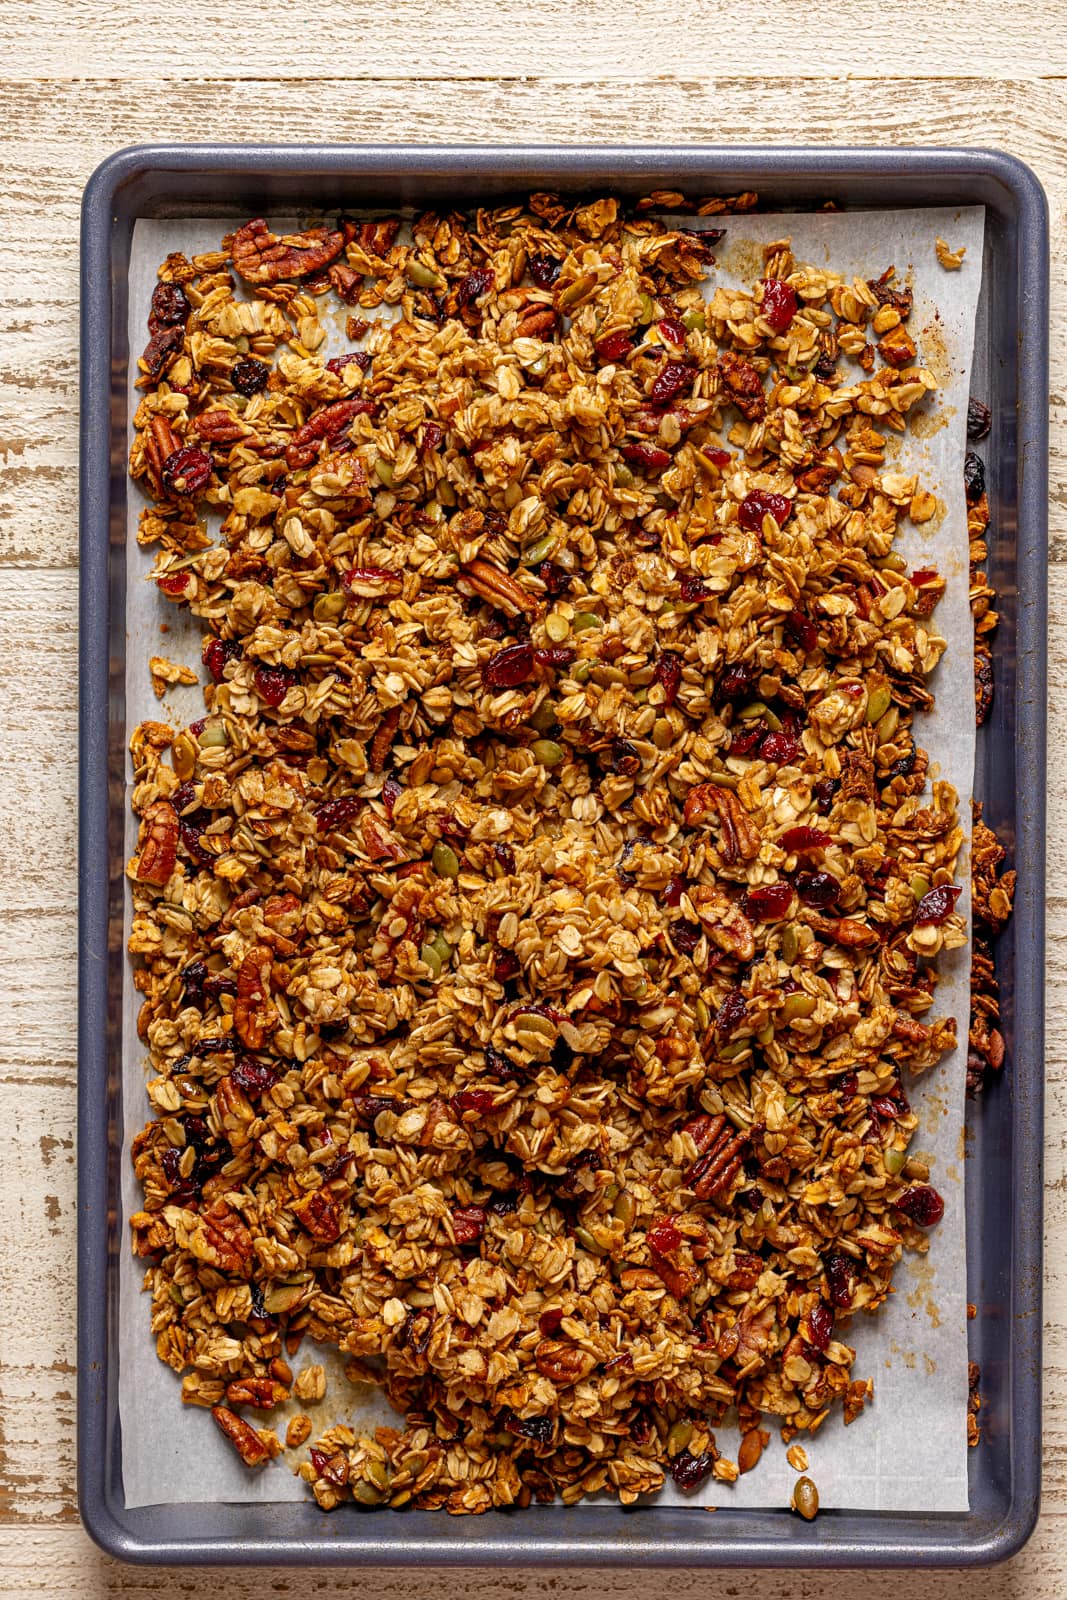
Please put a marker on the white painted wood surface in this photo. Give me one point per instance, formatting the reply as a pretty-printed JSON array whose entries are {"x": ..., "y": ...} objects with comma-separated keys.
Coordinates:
[{"x": 78, "y": 79}]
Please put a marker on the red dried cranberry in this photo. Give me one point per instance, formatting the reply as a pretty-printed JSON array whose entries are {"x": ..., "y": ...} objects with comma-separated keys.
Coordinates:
[
  {"x": 769, "y": 902},
  {"x": 537, "y": 1428},
  {"x": 474, "y": 285},
  {"x": 254, "y": 1077},
  {"x": 671, "y": 379},
  {"x": 432, "y": 434},
  {"x": 272, "y": 683},
  {"x": 663, "y": 1237},
  {"x": 689, "y": 1471},
  {"x": 504, "y": 856},
  {"x": 779, "y": 748},
  {"x": 672, "y": 893},
  {"x": 543, "y": 270},
  {"x": 668, "y": 675},
  {"x": 170, "y": 307},
  {"x": 479, "y": 1100},
  {"x": 216, "y": 653},
  {"x": 692, "y": 588},
  {"x": 190, "y": 829},
  {"x": 505, "y": 965},
  {"x": 392, "y": 789},
  {"x": 937, "y": 905},
  {"x": 820, "y": 1325},
  {"x": 355, "y": 358},
  {"x": 175, "y": 585},
  {"x": 819, "y": 889},
  {"x": 183, "y": 796},
  {"x": 215, "y": 986},
  {"x": 501, "y": 1067},
  {"x": 338, "y": 1168},
  {"x": 973, "y": 476},
  {"x": 848, "y": 1087},
  {"x": 922, "y": 1204},
  {"x": 802, "y": 631},
  {"x": 673, "y": 331},
  {"x": 685, "y": 936},
  {"x": 778, "y": 304},
  {"x": 979, "y": 419},
  {"x": 615, "y": 347},
  {"x": 730, "y": 1012},
  {"x": 748, "y": 737},
  {"x": 759, "y": 503},
  {"x": 332, "y": 813},
  {"x": 249, "y": 376},
  {"x": 193, "y": 977},
  {"x": 648, "y": 456},
  {"x": 624, "y": 758},
  {"x": 368, "y": 1107},
  {"x": 550, "y": 1322},
  {"x": 555, "y": 655},
  {"x": 509, "y": 667},
  {"x": 160, "y": 348},
  {"x": 803, "y": 838},
  {"x": 886, "y": 1108},
  {"x": 557, "y": 580},
  {"x": 187, "y": 471},
  {"x": 838, "y": 1269},
  {"x": 823, "y": 794},
  {"x": 469, "y": 1223}
]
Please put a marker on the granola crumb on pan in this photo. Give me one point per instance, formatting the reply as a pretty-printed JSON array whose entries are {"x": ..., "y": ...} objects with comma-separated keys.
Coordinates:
[{"x": 536, "y": 934}]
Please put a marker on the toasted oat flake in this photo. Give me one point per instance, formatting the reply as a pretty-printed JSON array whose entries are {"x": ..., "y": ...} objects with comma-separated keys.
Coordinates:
[{"x": 535, "y": 936}]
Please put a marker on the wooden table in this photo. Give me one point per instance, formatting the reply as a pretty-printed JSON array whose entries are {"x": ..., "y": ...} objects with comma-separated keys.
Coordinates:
[{"x": 81, "y": 78}]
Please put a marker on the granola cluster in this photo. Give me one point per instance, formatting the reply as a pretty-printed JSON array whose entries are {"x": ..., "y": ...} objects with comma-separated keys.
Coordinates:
[{"x": 536, "y": 934}]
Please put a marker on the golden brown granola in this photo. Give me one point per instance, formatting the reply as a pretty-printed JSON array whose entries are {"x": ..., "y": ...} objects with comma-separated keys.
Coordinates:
[{"x": 536, "y": 934}]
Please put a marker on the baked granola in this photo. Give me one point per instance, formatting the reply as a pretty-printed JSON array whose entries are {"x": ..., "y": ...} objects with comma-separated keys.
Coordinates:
[{"x": 537, "y": 933}]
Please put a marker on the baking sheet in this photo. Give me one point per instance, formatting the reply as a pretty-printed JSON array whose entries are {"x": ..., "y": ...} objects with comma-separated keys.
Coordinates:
[{"x": 908, "y": 1452}]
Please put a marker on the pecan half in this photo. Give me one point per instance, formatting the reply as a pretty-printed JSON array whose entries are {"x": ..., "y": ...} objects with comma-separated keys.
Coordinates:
[
  {"x": 490, "y": 582},
  {"x": 253, "y": 1014},
  {"x": 160, "y": 443},
  {"x": 740, "y": 838},
  {"x": 261, "y": 1393},
  {"x": 857, "y": 776},
  {"x": 241, "y": 1434},
  {"x": 222, "y": 1240},
  {"x": 320, "y": 1215},
  {"x": 722, "y": 1151},
  {"x": 742, "y": 386},
  {"x": 260, "y": 256},
  {"x": 331, "y": 424},
  {"x": 563, "y": 1363},
  {"x": 158, "y": 844}
]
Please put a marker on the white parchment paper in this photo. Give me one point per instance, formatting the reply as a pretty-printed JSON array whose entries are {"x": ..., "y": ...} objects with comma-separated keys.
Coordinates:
[{"x": 908, "y": 1451}]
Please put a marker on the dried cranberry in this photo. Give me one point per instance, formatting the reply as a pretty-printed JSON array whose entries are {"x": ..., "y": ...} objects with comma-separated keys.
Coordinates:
[
  {"x": 668, "y": 674},
  {"x": 825, "y": 367},
  {"x": 751, "y": 1199},
  {"x": 193, "y": 978},
  {"x": 730, "y": 1012},
  {"x": 979, "y": 419},
  {"x": 190, "y": 831},
  {"x": 543, "y": 270},
  {"x": 778, "y": 304},
  {"x": 550, "y": 1321},
  {"x": 217, "y": 652},
  {"x": 368, "y": 1107},
  {"x": 648, "y": 456},
  {"x": 937, "y": 905},
  {"x": 673, "y": 891},
  {"x": 249, "y": 376},
  {"x": 187, "y": 471},
  {"x": 502, "y": 1205},
  {"x": 432, "y": 434},
  {"x": 615, "y": 347},
  {"x": 216, "y": 985},
  {"x": 685, "y": 936},
  {"x": 272, "y": 683},
  {"x": 690, "y": 1471},
  {"x": 819, "y": 889},
  {"x": 254, "y": 1077},
  {"x": 735, "y": 681},
  {"x": 973, "y": 476},
  {"x": 803, "y": 838},
  {"x": 759, "y": 503},
  {"x": 886, "y": 1108},
  {"x": 176, "y": 584},
  {"x": 904, "y": 767},
  {"x": 505, "y": 965},
  {"x": 779, "y": 748},
  {"x": 823, "y": 794},
  {"x": 170, "y": 307},
  {"x": 673, "y": 331},
  {"x": 671, "y": 379},
  {"x": 555, "y": 655},
  {"x": 159, "y": 349},
  {"x": 748, "y": 738},
  {"x": 469, "y": 1223},
  {"x": 504, "y": 856},
  {"x": 501, "y": 1067},
  {"x": 479, "y": 1100},
  {"x": 557, "y": 580},
  {"x": 692, "y": 588},
  {"x": 663, "y": 1237},
  {"x": 848, "y": 1086},
  {"x": 922, "y": 1204},
  {"x": 769, "y": 902},
  {"x": 838, "y": 1269},
  {"x": 537, "y": 1428},
  {"x": 704, "y": 236},
  {"x": 331, "y": 813},
  {"x": 474, "y": 285},
  {"x": 624, "y": 758},
  {"x": 392, "y": 789},
  {"x": 509, "y": 667},
  {"x": 820, "y": 1325},
  {"x": 355, "y": 358},
  {"x": 802, "y": 630}
]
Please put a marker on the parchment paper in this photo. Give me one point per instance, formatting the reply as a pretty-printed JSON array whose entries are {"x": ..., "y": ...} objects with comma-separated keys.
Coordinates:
[{"x": 908, "y": 1451}]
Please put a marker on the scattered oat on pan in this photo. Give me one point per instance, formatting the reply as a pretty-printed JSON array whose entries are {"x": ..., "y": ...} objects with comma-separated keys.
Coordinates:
[{"x": 537, "y": 933}]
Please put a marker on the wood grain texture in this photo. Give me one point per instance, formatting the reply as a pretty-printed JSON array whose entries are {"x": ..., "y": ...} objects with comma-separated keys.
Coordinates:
[{"x": 85, "y": 77}]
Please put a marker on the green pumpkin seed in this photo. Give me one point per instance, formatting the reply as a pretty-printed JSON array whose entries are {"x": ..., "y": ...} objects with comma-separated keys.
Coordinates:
[
  {"x": 378, "y": 1473},
  {"x": 623, "y": 476},
  {"x": 625, "y": 1208},
  {"x": 797, "y": 1005},
  {"x": 756, "y": 708},
  {"x": 805, "y": 1498},
  {"x": 702, "y": 1013},
  {"x": 581, "y": 670},
  {"x": 213, "y": 736},
  {"x": 367, "y": 1494},
  {"x": 731, "y": 1052},
  {"x": 544, "y": 718},
  {"x": 588, "y": 1242},
  {"x": 383, "y": 471},
  {"x": 445, "y": 493},
  {"x": 557, "y": 626},
  {"x": 442, "y": 946},
  {"x": 547, "y": 752},
  {"x": 878, "y": 702},
  {"x": 432, "y": 958},
  {"x": 445, "y": 860},
  {"x": 694, "y": 320},
  {"x": 539, "y": 551},
  {"x": 577, "y": 291},
  {"x": 679, "y": 1437},
  {"x": 422, "y": 276},
  {"x": 584, "y": 620},
  {"x": 183, "y": 756},
  {"x": 328, "y": 607},
  {"x": 895, "y": 1161},
  {"x": 648, "y": 310},
  {"x": 790, "y": 943},
  {"x": 919, "y": 885}
]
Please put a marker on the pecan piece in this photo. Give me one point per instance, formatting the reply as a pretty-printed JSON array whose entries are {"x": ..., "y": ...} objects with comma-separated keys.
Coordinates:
[
  {"x": 857, "y": 776},
  {"x": 346, "y": 283},
  {"x": 158, "y": 844},
  {"x": 490, "y": 582},
  {"x": 320, "y": 1215},
  {"x": 262, "y": 1393},
  {"x": 724, "y": 920},
  {"x": 713, "y": 1173},
  {"x": 844, "y": 931},
  {"x": 897, "y": 348},
  {"x": 221, "y": 426},
  {"x": 536, "y": 322},
  {"x": 740, "y": 838},
  {"x": 241, "y": 1434},
  {"x": 160, "y": 443},
  {"x": 221, "y": 1239},
  {"x": 331, "y": 424},
  {"x": 160, "y": 351},
  {"x": 563, "y": 1363},
  {"x": 253, "y": 1014},
  {"x": 742, "y": 386},
  {"x": 260, "y": 256},
  {"x": 382, "y": 742}
]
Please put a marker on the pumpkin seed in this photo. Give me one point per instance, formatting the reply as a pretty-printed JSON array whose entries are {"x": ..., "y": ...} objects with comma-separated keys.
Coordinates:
[
  {"x": 584, "y": 620},
  {"x": 805, "y": 1498},
  {"x": 547, "y": 752},
  {"x": 790, "y": 943},
  {"x": 328, "y": 607},
  {"x": 895, "y": 1161},
  {"x": 797, "y": 1005},
  {"x": 625, "y": 1208},
  {"x": 432, "y": 959},
  {"x": 878, "y": 702},
  {"x": 213, "y": 735},
  {"x": 581, "y": 670},
  {"x": 539, "y": 551},
  {"x": 919, "y": 885},
  {"x": 557, "y": 626},
  {"x": 731, "y": 1052},
  {"x": 756, "y": 708},
  {"x": 367, "y": 1494},
  {"x": 422, "y": 276},
  {"x": 577, "y": 291},
  {"x": 445, "y": 860},
  {"x": 703, "y": 1016},
  {"x": 183, "y": 756},
  {"x": 588, "y": 1242},
  {"x": 679, "y": 1437},
  {"x": 623, "y": 476},
  {"x": 383, "y": 471},
  {"x": 693, "y": 320},
  {"x": 544, "y": 718}
]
